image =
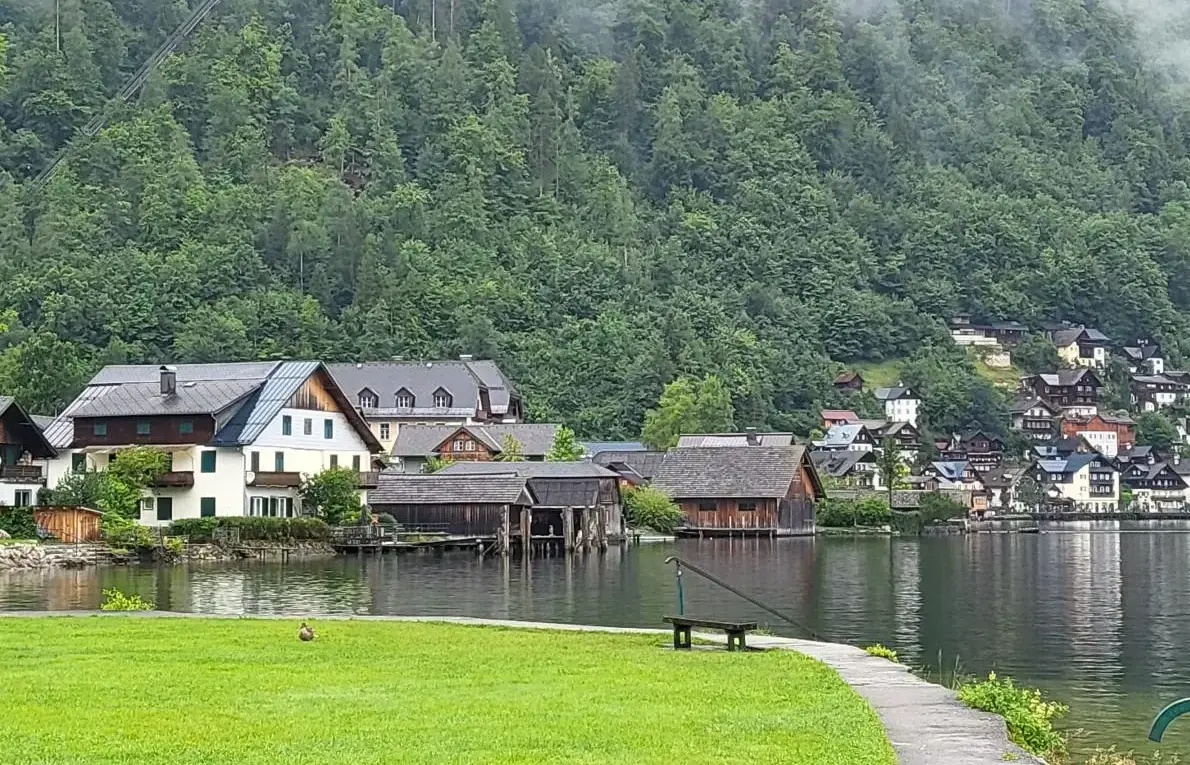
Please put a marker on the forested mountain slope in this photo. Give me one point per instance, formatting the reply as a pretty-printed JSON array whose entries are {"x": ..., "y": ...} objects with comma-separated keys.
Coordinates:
[{"x": 599, "y": 196}]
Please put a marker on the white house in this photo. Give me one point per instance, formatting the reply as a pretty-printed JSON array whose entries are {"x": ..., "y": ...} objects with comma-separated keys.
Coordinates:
[
  {"x": 852, "y": 437},
  {"x": 241, "y": 437},
  {"x": 23, "y": 451},
  {"x": 1079, "y": 482},
  {"x": 900, "y": 404}
]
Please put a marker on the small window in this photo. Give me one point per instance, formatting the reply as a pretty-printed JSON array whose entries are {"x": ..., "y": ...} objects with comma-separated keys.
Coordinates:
[
  {"x": 286, "y": 425},
  {"x": 99, "y": 427},
  {"x": 308, "y": 427},
  {"x": 405, "y": 399},
  {"x": 334, "y": 460},
  {"x": 143, "y": 427},
  {"x": 441, "y": 400},
  {"x": 23, "y": 498},
  {"x": 165, "y": 508},
  {"x": 206, "y": 507},
  {"x": 256, "y": 507},
  {"x": 207, "y": 461},
  {"x": 385, "y": 430},
  {"x": 355, "y": 463},
  {"x": 328, "y": 428},
  {"x": 186, "y": 427},
  {"x": 279, "y": 462},
  {"x": 146, "y": 505},
  {"x": 461, "y": 445},
  {"x": 288, "y": 507},
  {"x": 746, "y": 505},
  {"x": 367, "y": 401},
  {"x": 78, "y": 462},
  {"x": 255, "y": 461},
  {"x": 706, "y": 506}
]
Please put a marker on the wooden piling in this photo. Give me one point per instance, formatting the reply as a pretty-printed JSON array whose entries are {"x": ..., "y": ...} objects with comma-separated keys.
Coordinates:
[
  {"x": 505, "y": 532},
  {"x": 601, "y": 522},
  {"x": 526, "y": 538},
  {"x": 568, "y": 529}
]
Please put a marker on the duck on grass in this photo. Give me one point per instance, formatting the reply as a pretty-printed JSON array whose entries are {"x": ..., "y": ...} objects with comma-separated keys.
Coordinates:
[{"x": 123, "y": 688}]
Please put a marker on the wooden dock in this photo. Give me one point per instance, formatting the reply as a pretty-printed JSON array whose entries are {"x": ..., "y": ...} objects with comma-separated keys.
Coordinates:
[{"x": 373, "y": 539}]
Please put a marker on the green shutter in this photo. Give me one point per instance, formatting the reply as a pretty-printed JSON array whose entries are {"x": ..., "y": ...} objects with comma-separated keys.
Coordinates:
[
  {"x": 328, "y": 428},
  {"x": 286, "y": 425},
  {"x": 207, "y": 507},
  {"x": 208, "y": 461}
]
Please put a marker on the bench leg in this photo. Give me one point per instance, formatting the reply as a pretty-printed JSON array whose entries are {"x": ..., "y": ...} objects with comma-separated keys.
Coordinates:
[
  {"x": 677, "y": 637},
  {"x": 686, "y": 640},
  {"x": 735, "y": 641}
]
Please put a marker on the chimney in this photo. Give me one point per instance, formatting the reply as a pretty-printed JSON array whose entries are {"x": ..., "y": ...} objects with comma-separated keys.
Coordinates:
[
  {"x": 466, "y": 357},
  {"x": 169, "y": 381},
  {"x": 752, "y": 436}
]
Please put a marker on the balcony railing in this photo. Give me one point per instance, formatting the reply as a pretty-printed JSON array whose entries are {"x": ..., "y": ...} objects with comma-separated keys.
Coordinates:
[
  {"x": 175, "y": 479},
  {"x": 276, "y": 479},
  {"x": 369, "y": 479},
  {"x": 21, "y": 474}
]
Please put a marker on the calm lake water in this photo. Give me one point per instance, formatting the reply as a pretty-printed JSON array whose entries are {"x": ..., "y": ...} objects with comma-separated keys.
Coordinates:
[{"x": 1099, "y": 619}]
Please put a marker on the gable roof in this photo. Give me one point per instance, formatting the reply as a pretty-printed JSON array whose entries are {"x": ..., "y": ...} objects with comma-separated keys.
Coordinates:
[
  {"x": 848, "y": 377},
  {"x": 732, "y": 440},
  {"x": 463, "y": 380},
  {"x": 1069, "y": 335},
  {"x": 1022, "y": 404},
  {"x": 952, "y": 471},
  {"x": 760, "y": 472},
  {"x": 32, "y": 437},
  {"x": 417, "y": 440},
  {"x": 435, "y": 489},
  {"x": 243, "y": 397},
  {"x": 644, "y": 464},
  {"x": 845, "y": 415},
  {"x": 893, "y": 393},
  {"x": 526, "y": 469},
  {"x": 1065, "y": 377},
  {"x": 839, "y": 463},
  {"x": 500, "y": 388},
  {"x": 843, "y": 435},
  {"x": 554, "y": 484}
]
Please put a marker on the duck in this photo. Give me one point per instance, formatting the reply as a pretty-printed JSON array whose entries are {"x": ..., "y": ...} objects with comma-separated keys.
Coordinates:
[{"x": 306, "y": 633}]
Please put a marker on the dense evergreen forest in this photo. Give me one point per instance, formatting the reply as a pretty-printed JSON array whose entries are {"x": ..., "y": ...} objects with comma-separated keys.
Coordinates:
[{"x": 600, "y": 196}]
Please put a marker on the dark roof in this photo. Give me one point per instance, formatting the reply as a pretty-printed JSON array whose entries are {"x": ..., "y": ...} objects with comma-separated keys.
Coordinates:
[
  {"x": 596, "y": 447},
  {"x": 133, "y": 399},
  {"x": 848, "y": 377},
  {"x": 417, "y": 440},
  {"x": 1001, "y": 477},
  {"x": 726, "y": 440},
  {"x": 462, "y": 379},
  {"x": 499, "y": 489},
  {"x": 31, "y": 436},
  {"x": 528, "y": 469},
  {"x": 1005, "y": 326},
  {"x": 644, "y": 464},
  {"x": 43, "y": 421},
  {"x": 893, "y": 393},
  {"x": 1064, "y": 337},
  {"x": 839, "y": 414},
  {"x": 743, "y": 472},
  {"x": 839, "y": 463},
  {"x": 1022, "y": 404},
  {"x": 1064, "y": 377},
  {"x": 554, "y": 484}
]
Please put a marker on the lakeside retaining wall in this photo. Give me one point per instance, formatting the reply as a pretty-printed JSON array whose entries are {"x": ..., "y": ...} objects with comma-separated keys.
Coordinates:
[{"x": 34, "y": 556}]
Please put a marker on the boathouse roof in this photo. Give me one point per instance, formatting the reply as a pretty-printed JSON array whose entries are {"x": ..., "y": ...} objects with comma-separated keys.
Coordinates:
[
  {"x": 436, "y": 489},
  {"x": 733, "y": 472}
]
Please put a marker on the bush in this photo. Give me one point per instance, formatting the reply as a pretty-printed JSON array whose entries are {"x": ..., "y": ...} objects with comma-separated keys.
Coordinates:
[
  {"x": 882, "y": 652},
  {"x": 115, "y": 600},
  {"x": 127, "y": 533},
  {"x": 936, "y": 507},
  {"x": 253, "y": 529},
  {"x": 846, "y": 513},
  {"x": 18, "y": 522},
  {"x": 1029, "y": 716},
  {"x": 651, "y": 508}
]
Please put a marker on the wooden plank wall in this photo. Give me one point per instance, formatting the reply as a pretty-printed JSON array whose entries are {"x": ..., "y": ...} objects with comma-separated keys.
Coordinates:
[
  {"x": 69, "y": 524},
  {"x": 314, "y": 395},
  {"x": 464, "y": 520},
  {"x": 727, "y": 515}
]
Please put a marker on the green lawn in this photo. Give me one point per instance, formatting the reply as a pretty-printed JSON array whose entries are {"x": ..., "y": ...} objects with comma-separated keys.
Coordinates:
[
  {"x": 879, "y": 374},
  {"x": 142, "y": 690}
]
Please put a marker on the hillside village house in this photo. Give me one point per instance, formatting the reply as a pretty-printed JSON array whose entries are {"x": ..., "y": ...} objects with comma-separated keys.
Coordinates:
[
  {"x": 853, "y": 437},
  {"x": 392, "y": 394},
  {"x": 240, "y": 437},
  {"x": 1145, "y": 358},
  {"x": 832, "y": 417},
  {"x": 906, "y": 436},
  {"x": 1108, "y": 433},
  {"x": 849, "y": 380},
  {"x": 848, "y": 469},
  {"x": 900, "y": 403},
  {"x": 23, "y": 450},
  {"x": 1079, "y": 482},
  {"x": 1153, "y": 392},
  {"x": 1156, "y": 487},
  {"x": 982, "y": 450},
  {"x": 1033, "y": 416},
  {"x": 1081, "y": 346},
  {"x": 1074, "y": 391},
  {"x": 417, "y": 444}
]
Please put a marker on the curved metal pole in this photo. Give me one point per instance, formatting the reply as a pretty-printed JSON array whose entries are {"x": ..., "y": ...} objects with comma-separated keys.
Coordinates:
[
  {"x": 680, "y": 562},
  {"x": 1167, "y": 716}
]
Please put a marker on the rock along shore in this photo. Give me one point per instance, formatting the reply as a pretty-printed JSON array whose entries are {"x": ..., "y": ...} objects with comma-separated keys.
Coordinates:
[{"x": 37, "y": 556}]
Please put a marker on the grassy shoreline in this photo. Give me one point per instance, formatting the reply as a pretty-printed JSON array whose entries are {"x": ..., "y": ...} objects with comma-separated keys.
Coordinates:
[{"x": 116, "y": 690}]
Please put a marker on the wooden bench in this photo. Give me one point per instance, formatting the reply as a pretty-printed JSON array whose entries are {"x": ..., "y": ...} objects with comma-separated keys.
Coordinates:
[{"x": 735, "y": 630}]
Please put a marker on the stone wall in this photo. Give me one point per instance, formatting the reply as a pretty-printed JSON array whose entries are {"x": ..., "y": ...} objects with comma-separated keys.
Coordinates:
[
  {"x": 66, "y": 556},
  {"x": 29, "y": 556}
]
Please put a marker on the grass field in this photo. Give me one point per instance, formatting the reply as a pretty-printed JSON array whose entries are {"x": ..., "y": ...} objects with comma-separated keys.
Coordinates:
[{"x": 143, "y": 690}]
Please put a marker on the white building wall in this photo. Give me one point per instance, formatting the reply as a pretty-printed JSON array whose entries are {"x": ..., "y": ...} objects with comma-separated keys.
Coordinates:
[
  {"x": 1104, "y": 442},
  {"x": 8, "y": 493},
  {"x": 902, "y": 410}
]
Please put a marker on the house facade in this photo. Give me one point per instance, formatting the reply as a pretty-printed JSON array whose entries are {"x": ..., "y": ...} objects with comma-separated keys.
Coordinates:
[
  {"x": 1074, "y": 391},
  {"x": 852, "y": 437},
  {"x": 1033, "y": 416},
  {"x": 1156, "y": 487},
  {"x": 1108, "y": 433},
  {"x": 240, "y": 438},
  {"x": 1145, "y": 358},
  {"x": 1084, "y": 482},
  {"x": 849, "y": 381},
  {"x": 848, "y": 469},
  {"x": 900, "y": 404},
  {"x": 417, "y": 444},
  {"x": 393, "y": 394},
  {"x": 1153, "y": 392},
  {"x": 24, "y": 450},
  {"x": 1081, "y": 347},
  {"x": 982, "y": 450},
  {"x": 832, "y": 417}
]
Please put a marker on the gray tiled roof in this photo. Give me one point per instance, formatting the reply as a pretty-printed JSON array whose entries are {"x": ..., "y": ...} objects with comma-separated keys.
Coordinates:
[
  {"x": 415, "y": 440},
  {"x": 645, "y": 463},
  {"x": 436, "y": 489},
  {"x": 840, "y": 436},
  {"x": 554, "y": 484},
  {"x": 529, "y": 469},
  {"x": 595, "y": 447},
  {"x": 721, "y": 440},
  {"x": 745, "y": 472},
  {"x": 131, "y": 399},
  {"x": 1065, "y": 377},
  {"x": 500, "y": 388},
  {"x": 838, "y": 463},
  {"x": 893, "y": 393},
  {"x": 463, "y": 380}
]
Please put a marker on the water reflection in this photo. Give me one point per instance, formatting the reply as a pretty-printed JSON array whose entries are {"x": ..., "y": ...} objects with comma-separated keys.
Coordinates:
[{"x": 1096, "y": 618}]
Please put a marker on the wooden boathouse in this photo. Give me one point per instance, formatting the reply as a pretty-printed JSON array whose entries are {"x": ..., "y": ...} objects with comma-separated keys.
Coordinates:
[{"x": 742, "y": 490}]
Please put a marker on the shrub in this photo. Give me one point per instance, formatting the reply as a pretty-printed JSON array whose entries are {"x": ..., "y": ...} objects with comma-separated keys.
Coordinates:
[
  {"x": 18, "y": 522},
  {"x": 882, "y": 652},
  {"x": 652, "y": 509},
  {"x": 253, "y": 528},
  {"x": 1029, "y": 716},
  {"x": 115, "y": 600},
  {"x": 126, "y": 533},
  {"x": 844, "y": 513},
  {"x": 936, "y": 507},
  {"x": 333, "y": 495}
]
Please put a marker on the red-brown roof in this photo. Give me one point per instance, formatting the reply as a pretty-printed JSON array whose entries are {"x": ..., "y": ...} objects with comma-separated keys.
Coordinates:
[
  {"x": 839, "y": 415},
  {"x": 846, "y": 377}
]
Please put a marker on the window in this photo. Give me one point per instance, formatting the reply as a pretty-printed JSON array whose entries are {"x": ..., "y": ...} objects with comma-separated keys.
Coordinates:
[
  {"x": 286, "y": 425},
  {"x": 746, "y": 505},
  {"x": 367, "y": 400},
  {"x": 279, "y": 462},
  {"x": 78, "y": 462},
  {"x": 165, "y": 508},
  {"x": 328, "y": 428},
  {"x": 255, "y": 462},
  {"x": 441, "y": 399},
  {"x": 146, "y": 505},
  {"x": 23, "y": 498},
  {"x": 207, "y": 461},
  {"x": 707, "y": 506},
  {"x": 143, "y": 428},
  {"x": 384, "y": 431},
  {"x": 334, "y": 460},
  {"x": 186, "y": 427},
  {"x": 308, "y": 427},
  {"x": 459, "y": 445},
  {"x": 99, "y": 427},
  {"x": 405, "y": 399},
  {"x": 206, "y": 507},
  {"x": 355, "y": 463}
]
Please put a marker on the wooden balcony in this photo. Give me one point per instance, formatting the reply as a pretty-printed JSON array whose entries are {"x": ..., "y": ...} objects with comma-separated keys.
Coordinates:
[
  {"x": 276, "y": 479},
  {"x": 175, "y": 479},
  {"x": 21, "y": 474},
  {"x": 369, "y": 479}
]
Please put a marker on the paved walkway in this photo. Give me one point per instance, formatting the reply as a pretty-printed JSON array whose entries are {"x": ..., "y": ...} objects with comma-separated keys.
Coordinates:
[{"x": 925, "y": 722}]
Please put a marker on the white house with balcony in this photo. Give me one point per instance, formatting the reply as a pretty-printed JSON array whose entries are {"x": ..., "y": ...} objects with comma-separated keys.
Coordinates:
[
  {"x": 24, "y": 450},
  {"x": 241, "y": 438},
  {"x": 900, "y": 403}
]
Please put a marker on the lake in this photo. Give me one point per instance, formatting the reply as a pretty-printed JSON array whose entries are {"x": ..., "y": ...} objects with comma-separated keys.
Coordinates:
[{"x": 1095, "y": 618}]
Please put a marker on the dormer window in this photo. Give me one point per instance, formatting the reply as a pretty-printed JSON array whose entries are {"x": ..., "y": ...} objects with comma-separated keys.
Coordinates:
[
  {"x": 442, "y": 399},
  {"x": 367, "y": 399},
  {"x": 405, "y": 399}
]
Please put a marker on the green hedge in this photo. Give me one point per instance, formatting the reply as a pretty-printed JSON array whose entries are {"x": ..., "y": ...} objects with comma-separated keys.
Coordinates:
[
  {"x": 845, "y": 513},
  {"x": 253, "y": 529},
  {"x": 18, "y": 522}
]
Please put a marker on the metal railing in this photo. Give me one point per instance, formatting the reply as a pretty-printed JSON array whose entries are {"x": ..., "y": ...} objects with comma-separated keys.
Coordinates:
[
  {"x": 371, "y": 534},
  {"x": 681, "y": 562}
]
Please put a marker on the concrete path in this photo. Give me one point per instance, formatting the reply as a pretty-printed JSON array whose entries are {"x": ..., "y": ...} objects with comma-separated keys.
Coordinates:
[{"x": 925, "y": 722}]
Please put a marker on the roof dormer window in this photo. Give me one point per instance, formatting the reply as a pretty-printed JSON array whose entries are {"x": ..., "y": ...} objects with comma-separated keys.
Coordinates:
[
  {"x": 405, "y": 399},
  {"x": 367, "y": 399},
  {"x": 442, "y": 399}
]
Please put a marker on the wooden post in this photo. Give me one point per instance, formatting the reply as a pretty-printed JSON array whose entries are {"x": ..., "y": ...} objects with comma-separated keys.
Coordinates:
[
  {"x": 568, "y": 528},
  {"x": 601, "y": 521},
  {"x": 526, "y": 521},
  {"x": 505, "y": 531},
  {"x": 589, "y": 528}
]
